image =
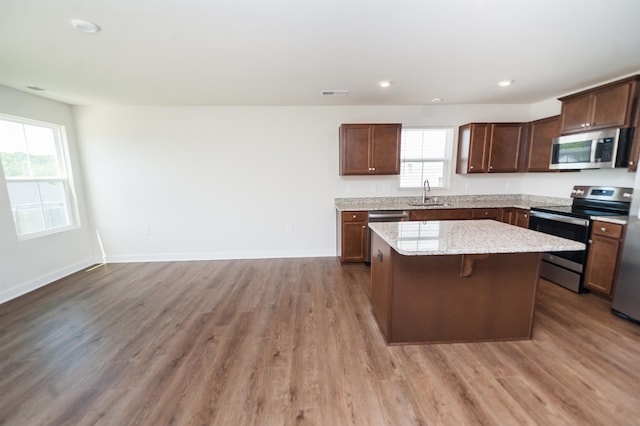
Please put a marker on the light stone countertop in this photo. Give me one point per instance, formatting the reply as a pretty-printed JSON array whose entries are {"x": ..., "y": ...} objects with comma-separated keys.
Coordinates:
[
  {"x": 467, "y": 237},
  {"x": 620, "y": 220},
  {"x": 449, "y": 202}
]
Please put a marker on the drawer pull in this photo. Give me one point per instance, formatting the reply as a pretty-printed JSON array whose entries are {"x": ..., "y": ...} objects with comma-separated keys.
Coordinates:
[
  {"x": 603, "y": 229},
  {"x": 354, "y": 216}
]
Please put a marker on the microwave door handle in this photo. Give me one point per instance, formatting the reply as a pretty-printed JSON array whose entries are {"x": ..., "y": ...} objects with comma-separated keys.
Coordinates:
[{"x": 594, "y": 150}]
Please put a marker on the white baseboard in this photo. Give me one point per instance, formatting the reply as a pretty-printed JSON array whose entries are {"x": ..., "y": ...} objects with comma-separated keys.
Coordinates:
[
  {"x": 177, "y": 257},
  {"x": 19, "y": 290}
]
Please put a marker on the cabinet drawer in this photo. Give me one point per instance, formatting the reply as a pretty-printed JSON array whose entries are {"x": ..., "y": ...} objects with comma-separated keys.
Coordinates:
[
  {"x": 605, "y": 229},
  {"x": 354, "y": 216},
  {"x": 492, "y": 213},
  {"x": 440, "y": 214}
]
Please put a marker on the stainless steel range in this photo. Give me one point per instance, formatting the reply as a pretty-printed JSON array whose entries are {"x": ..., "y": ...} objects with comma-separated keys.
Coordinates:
[{"x": 574, "y": 222}]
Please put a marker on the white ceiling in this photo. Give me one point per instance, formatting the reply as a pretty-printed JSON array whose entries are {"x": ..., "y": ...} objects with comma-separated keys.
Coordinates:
[{"x": 284, "y": 52}]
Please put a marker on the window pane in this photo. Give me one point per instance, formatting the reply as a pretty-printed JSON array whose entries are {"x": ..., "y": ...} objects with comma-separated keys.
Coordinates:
[
  {"x": 36, "y": 175},
  {"x": 414, "y": 173},
  {"x": 13, "y": 150},
  {"x": 42, "y": 150},
  {"x": 25, "y": 203},
  {"x": 54, "y": 204}
]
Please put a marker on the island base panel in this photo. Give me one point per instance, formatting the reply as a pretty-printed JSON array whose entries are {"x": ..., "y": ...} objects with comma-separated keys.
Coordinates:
[{"x": 428, "y": 301}]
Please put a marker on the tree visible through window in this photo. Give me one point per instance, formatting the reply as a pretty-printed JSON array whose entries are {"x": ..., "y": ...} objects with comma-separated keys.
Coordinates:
[
  {"x": 425, "y": 153},
  {"x": 33, "y": 161}
]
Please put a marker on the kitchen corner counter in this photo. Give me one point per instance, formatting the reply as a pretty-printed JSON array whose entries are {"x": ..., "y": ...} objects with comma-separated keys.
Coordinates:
[
  {"x": 449, "y": 202},
  {"x": 467, "y": 237}
]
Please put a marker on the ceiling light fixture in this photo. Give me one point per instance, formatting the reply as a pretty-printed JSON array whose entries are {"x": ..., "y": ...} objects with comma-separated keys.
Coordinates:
[
  {"x": 385, "y": 83},
  {"x": 85, "y": 26},
  {"x": 436, "y": 100},
  {"x": 505, "y": 83}
]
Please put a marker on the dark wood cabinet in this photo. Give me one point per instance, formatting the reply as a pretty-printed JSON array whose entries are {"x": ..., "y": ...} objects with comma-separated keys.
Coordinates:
[
  {"x": 602, "y": 107},
  {"x": 352, "y": 236},
  {"x": 489, "y": 213},
  {"x": 604, "y": 257},
  {"x": 504, "y": 148},
  {"x": 489, "y": 147},
  {"x": 539, "y": 136},
  {"x": 370, "y": 149},
  {"x": 516, "y": 216},
  {"x": 440, "y": 214}
]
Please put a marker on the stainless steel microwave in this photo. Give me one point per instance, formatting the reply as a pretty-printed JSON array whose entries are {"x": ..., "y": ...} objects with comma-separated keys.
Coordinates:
[{"x": 600, "y": 149}]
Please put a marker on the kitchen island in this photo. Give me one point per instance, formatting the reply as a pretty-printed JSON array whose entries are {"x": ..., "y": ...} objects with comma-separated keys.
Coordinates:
[{"x": 456, "y": 281}]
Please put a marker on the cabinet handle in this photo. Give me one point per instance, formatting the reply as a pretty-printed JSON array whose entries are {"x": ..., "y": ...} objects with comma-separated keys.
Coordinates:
[
  {"x": 470, "y": 167},
  {"x": 364, "y": 226},
  {"x": 603, "y": 229},
  {"x": 631, "y": 163},
  {"x": 354, "y": 216},
  {"x": 490, "y": 167},
  {"x": 526, "y": 216}
]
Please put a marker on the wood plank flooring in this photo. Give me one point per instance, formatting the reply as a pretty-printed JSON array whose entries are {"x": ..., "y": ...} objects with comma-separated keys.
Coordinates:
[{"x": 293, "y": 341}]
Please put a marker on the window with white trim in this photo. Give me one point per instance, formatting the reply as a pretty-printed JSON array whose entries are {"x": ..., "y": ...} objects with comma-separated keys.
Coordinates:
[
  {"x": 425, "y": 153},
  {"x": 34, "y": 163}
]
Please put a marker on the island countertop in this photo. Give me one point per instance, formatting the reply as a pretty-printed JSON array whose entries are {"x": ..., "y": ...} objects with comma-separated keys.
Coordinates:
[{"x": 467, "y": 237}]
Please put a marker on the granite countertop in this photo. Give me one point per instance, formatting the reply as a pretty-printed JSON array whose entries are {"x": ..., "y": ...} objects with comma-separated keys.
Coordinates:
[
  {"x": 467, "y": 237},
  {"x": 620, "y": 220},
  {"x": 449, "y": 202}
]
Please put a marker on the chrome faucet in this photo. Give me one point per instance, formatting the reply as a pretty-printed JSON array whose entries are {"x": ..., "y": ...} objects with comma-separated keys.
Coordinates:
[{"x": 425, "y": 188}]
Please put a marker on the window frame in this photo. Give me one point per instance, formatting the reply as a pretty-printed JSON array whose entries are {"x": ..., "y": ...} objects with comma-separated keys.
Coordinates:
[
  {"x": 447, "y": 160},
  {"x": 65, "y": 176}
]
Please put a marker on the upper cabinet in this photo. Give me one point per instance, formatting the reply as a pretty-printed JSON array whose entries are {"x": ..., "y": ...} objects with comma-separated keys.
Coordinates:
[
  {"x": 539, "y": 137},
  {"x": 370, "y": 149},
  {"x": 490, "y": 147},
  {"x": 607, "y": 106}
]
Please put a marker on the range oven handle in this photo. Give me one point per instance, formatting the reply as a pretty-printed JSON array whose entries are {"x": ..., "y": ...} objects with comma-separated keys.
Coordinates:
[{"x": 561, "y": 218}]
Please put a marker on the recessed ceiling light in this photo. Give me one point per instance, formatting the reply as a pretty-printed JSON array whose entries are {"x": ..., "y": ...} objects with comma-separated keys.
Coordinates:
[
  {"x": 384, "y": 83},
  {"x": 505, "y": 83},
  {"x": 436, "y": 100},
  {"x": 85, "y": 26}
]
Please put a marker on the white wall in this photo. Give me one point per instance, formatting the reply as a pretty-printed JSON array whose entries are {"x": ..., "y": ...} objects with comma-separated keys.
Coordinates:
[
  {"x": 244, "y": 182},
  {"x": 29, "y": 264},
  {"x": 227, "y": 182}
]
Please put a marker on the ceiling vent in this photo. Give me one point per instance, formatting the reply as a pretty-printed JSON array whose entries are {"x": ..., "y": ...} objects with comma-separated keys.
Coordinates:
[{"x": 339, "y": 92}]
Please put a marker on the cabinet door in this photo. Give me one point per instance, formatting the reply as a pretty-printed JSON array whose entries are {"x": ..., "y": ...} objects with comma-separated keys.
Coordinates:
[
  {"x": 385, "y": 149},
  {"x": 541, "y": 132},
  {"x": 610, "y": 106},
  {"x": 504, "y": 152},
  {"x": 354, "y": 149},
  {"x": 602, "y": 264},
  {"x": 521, "y": 218},
  {"x": 576, "y": 113},
  {"x": 354, "y": 236},
  {"x": 479, "y": 139}
]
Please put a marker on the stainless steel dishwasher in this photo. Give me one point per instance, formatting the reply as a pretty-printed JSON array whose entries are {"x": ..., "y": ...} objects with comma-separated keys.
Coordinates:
[{"x": 383, "y": 216}]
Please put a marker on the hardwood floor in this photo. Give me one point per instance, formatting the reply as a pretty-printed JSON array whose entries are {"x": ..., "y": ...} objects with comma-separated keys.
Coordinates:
[{"x": 293, "y": 341}]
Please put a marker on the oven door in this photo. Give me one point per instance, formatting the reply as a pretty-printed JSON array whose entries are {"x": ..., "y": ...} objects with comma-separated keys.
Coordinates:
[{"x": 572, "y": 228}]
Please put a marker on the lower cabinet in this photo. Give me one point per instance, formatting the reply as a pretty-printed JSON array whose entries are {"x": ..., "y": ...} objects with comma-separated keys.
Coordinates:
[
  {"x": 604, "y": 257},
  {"x": 516, "y": 216},
  {"x": 490, "y": 213},
  {"x": 440, "y": 214},
  {"x": 352, "y": 236}
]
